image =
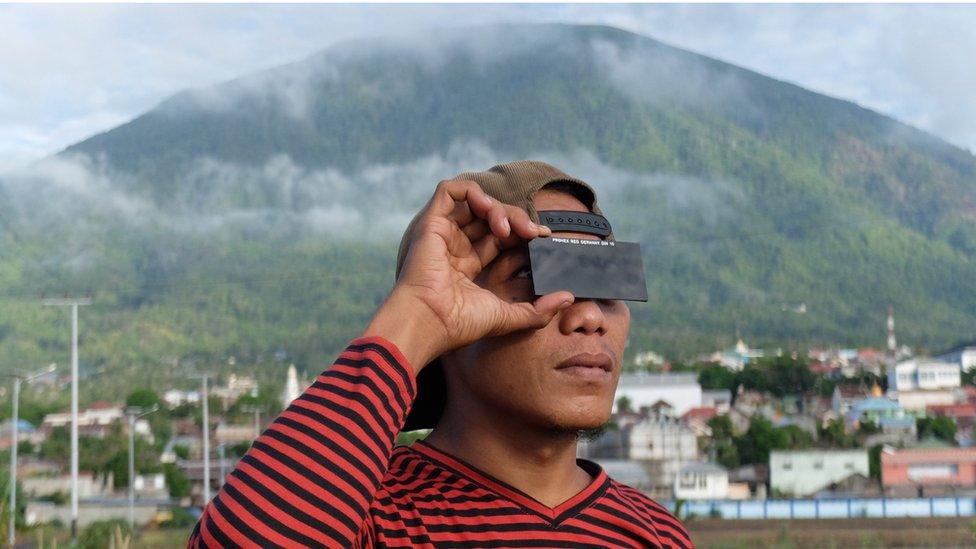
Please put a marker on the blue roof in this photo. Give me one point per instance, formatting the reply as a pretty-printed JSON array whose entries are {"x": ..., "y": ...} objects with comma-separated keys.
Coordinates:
[
  {"x": 904, "y": 422},
  {"x": 875, "y": 404}
]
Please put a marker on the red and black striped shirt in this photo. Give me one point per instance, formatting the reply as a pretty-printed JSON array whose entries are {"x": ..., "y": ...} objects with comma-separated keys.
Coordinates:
[{"x": 325, "y": 474}]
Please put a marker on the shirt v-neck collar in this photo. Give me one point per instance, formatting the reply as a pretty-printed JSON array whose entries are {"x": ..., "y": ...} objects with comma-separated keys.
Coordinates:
[{"x": 554, "y": 515}]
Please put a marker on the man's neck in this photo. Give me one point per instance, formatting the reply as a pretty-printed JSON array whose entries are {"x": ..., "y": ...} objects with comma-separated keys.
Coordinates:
[{"x": 540, "y": 463}]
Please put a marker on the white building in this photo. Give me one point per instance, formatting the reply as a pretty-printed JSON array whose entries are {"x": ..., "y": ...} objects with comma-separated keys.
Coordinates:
[
  {"x": 292, "y": 390},
  {"x": 701, "y": 481},
  {"x": 803, "y": 473},
  {"x": 662, "y": 438},
  {"x": 720, "y": 399},
  {"x": 923, "y": 374},
  {"x": 963, "y": 355},
  {"x": 175, "y": 397},
  {"x": 680, "y": 390}
]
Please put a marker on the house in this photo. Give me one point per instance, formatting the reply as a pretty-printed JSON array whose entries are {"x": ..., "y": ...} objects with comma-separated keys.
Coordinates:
[
  {"x": 697, "y": 420},
  {"x": 755, "y": 478},
  {"x": 963, "y": 355},
  {"x": 804, "y": 473},
  {"x": 853, "y": 486},
  {"x": 25, "y": 432},
  {"x": 927, "y": 471},
  {"x": 845, "y": 397},
  {"x": 233, "y": 434},
  {"x": 736, "y": 357},
  {"x": 174, "y": 398},
  {"x": 98, "y": 421},
  {"x": 964, "y": 415},
  {"x": 873, "y": 410},
  {"x": 923, "y": 374},
  {"x": 681, "y": 390},
  {"x": 701, "y": 481},
  {"x": 720, "y": 399}
]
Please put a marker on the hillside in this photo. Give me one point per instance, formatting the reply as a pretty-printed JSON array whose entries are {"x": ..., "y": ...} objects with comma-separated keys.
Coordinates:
[{"x": 262, "y": 214}]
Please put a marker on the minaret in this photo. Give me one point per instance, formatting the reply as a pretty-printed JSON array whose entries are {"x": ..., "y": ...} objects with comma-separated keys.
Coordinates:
[
  {"x": 892, "y": 342},
  {"x": 291, "y": 386}
]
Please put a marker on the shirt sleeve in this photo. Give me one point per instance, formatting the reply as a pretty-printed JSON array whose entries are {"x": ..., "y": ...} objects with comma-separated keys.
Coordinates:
[{"x": 309, "y": 479}]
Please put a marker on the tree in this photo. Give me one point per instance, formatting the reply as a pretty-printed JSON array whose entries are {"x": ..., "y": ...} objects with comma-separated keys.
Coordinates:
[
  {"x": 759, "y": 439},
  {"x": 940, "y": 427},
  {"x": 144, "y": 398},
  {"x": 835, "y": 434},
  {"x": 624, "y": 405},
  {"x": 179, "y": 484},
  {"x": 874, "y": 461},
  {"x": 716, "y": 376}
]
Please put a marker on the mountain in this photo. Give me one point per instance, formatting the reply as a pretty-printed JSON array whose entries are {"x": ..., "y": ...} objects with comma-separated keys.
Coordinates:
[{"x": 262, "y": 214}]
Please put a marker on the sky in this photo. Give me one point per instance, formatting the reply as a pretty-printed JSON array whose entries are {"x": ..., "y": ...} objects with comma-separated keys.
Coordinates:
[{"x": 69, "y": 72}]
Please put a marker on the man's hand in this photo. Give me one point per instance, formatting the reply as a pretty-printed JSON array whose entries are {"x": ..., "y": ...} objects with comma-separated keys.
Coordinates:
[{"x": 436, "y": 306}]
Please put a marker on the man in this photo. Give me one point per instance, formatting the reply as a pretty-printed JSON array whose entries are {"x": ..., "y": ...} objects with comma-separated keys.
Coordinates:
[{"x": 507, "y": 381}]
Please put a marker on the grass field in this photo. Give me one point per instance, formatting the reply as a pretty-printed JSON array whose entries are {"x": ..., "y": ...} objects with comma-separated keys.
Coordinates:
[{"x": 833, "y": 533}]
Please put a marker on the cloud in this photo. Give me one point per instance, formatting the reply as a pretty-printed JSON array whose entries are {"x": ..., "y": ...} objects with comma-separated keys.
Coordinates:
[
  {"x": 74, "y": 70},
  {"x": 223, "y": 199}
]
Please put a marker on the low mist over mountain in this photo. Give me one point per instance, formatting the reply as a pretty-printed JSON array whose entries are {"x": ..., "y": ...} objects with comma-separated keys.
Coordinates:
[{"x": 261, "y": 215}]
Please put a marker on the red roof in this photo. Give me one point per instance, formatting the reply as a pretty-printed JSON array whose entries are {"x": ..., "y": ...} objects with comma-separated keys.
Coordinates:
[
  {"x": 851, "y": 391},
  {"x": 952, "y": 410},
  {"x": 701, "y": 412},
  {"x": 102, "y": 405},
  {"x": 909, "y": 456}
]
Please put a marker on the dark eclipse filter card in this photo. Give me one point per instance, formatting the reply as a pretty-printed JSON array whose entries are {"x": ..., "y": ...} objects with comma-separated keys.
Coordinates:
[{"x": 596, "y": 269}]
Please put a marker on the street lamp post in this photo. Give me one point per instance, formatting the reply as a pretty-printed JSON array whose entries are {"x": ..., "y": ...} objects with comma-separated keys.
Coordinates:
[
  {"x": 74, "y": 303},
  {"x": 134, "y": 413},
  {"x": 14, "y": 435}
]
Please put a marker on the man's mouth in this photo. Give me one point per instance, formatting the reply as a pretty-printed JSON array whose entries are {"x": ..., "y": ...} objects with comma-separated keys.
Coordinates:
[{"x": 587, "y": 366}]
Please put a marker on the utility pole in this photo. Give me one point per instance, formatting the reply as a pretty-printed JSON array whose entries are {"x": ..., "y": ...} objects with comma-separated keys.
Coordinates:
[
  {"x": 205, "y": 397},
  {"x": 220, "y": 456},
  {"x": 256, "y": 410},
  {"x": 133, "y": 413},
  {"x": 15, "y": 418},
  {"x": 74, "y": 303}
]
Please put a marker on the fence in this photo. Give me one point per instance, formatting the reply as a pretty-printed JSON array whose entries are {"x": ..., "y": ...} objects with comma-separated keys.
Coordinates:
[{"x": 829, "y": 508}]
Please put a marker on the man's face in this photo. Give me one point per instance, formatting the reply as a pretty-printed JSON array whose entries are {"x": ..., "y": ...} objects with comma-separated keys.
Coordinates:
[{"x": 519, "y": 374}]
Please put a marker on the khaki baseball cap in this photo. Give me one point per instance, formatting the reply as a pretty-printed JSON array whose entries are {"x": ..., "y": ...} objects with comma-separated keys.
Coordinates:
[{"x": 513, "y": 183}]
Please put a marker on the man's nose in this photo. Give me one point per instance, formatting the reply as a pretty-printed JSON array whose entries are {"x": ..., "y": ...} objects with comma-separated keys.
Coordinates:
[{"x": 585, "y": 315}]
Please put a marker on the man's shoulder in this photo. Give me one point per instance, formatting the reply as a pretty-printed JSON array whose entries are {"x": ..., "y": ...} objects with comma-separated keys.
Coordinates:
[
  {"x": 662, "y": 519},
  {"x": 636, "y": 496}
]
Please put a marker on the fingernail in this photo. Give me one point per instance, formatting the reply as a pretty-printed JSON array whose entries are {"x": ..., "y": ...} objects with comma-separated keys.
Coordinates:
[{"x": 508, "y": 228}]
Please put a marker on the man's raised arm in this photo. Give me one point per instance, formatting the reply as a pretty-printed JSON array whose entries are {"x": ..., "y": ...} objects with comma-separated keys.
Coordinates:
[{"x": 310, "y": 478}]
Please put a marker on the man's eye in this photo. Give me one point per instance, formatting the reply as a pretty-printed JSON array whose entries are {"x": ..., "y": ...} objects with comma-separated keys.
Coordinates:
[{"x": 525, "y": 271}]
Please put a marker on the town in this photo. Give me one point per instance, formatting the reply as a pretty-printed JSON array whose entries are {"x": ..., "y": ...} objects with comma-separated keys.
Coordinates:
[{"x": 736, "y": 434}]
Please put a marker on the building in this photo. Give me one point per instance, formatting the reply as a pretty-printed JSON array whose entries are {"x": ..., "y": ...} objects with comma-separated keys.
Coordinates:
[
  {"x": 845, "y": 397},
  {"x": 804, "y": 473},
  {"x": 736, "y": 357},
  {"x": 964, "y": 415},
  {"x": 923, "y": 374},
  {"x": 233, "y": 434},
  {"x": 720, "y": 399},
  {"x": 98, "y": 420},
  {"x": 927, "y": 471},
  {"x": 25, "y": 432},
  {"x": 701, "y": 481},
  {"x": 680, "y": 390},
  {"x": 963, "y": 355},
  {"x": 236, "y": 387},
  {"x": 697, "y": 420},
  {"x": 291, "y": 391},
  {"x": 874, "y": 410},
  {"x": 175, "y": 397}
]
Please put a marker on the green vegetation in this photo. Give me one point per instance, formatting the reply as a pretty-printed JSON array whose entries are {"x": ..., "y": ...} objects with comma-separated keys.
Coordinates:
[
  {"x": 940, "y": 427},
  {"x": 749, "y": 195}
]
